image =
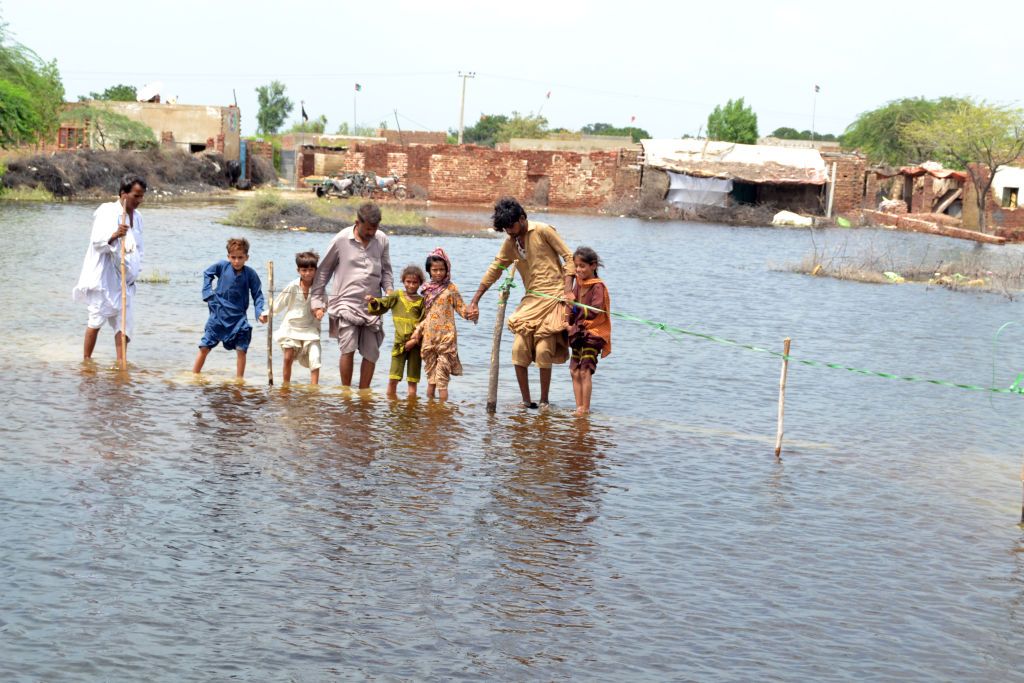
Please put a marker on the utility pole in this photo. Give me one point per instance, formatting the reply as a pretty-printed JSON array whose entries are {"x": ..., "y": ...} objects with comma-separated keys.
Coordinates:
[{"x": 462, "y": 103}]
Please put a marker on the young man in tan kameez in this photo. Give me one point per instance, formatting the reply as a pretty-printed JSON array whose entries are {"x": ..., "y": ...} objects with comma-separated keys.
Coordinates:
[{"x": 540, "y": 322}]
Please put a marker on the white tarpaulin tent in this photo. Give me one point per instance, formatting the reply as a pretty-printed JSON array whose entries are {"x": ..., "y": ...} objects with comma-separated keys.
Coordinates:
[
  {"x": 688, "y": 191},
  {"x": 743, "y": 163}
]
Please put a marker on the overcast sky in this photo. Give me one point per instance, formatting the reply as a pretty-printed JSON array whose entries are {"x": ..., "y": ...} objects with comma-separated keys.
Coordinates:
[{"x": 666, "y": 63}]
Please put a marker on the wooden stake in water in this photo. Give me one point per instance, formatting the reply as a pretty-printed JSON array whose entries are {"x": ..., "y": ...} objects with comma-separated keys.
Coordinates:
[
  {"x": 499, "y": 324},
  {"x": 124, "y": 294},
  {"x": 270, "y": 323},
  {"x": 782, "y": 398},
  {"x": 1022, "y": 494}
]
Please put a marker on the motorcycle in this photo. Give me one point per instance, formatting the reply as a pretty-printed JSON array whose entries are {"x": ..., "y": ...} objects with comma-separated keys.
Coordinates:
[
  {"x": 390, "y": 185},
  {"x": 349, "y": 185}
]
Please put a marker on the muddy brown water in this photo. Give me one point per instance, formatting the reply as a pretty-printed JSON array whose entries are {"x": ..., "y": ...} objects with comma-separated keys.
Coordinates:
[{"x": 158, "y": 527}]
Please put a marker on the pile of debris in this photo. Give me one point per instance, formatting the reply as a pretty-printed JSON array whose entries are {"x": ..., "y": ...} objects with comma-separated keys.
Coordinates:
[{"x": 95, "y": 173}]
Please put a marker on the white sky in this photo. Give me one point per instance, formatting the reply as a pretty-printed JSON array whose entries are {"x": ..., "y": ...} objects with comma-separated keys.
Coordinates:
[{"x": 666, "y": 63}]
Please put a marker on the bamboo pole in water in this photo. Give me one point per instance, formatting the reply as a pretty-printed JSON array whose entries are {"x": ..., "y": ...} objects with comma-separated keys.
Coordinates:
[
  {"x": 124, "y": 294},
  {"x": 499, "y": 323},
  {"x": 270, "y": 323},
  {"x": 782, "y": 398}
]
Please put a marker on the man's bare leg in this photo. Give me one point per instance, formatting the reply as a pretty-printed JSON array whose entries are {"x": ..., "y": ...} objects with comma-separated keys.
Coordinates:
[
  {"x": 545, "y": 384},
  {"x": 91, "y": 336},
  {"x": 366, "y": 373},
  {"x": 412, "y": 389},
  {"x": 239, "y": 363},
  {"x": 345, "y": 367},
  {"x": 523, "y": 377},
  {"x": 314, "y": 376},
  {"x": 392, "y": 387},
  {"x": 117, "y": 346}
]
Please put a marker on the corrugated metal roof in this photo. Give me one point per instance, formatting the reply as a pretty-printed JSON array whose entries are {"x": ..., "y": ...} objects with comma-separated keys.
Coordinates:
[{"x": 745, "y": 163}]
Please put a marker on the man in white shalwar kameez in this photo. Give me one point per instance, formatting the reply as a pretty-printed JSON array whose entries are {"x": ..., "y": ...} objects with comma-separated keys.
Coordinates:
[{"x": 99, "y": 285}]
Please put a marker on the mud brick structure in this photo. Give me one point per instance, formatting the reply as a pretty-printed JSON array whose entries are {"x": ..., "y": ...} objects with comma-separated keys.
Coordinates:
[{"x": 479, "y": 175}]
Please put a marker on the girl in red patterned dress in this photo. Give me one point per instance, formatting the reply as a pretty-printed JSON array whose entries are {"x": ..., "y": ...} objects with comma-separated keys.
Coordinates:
[{"x": 590, "y": 329}]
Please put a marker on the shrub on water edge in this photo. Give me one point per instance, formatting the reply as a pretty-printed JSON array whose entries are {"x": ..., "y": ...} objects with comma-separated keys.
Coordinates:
[{"x": 26, "y": 194}]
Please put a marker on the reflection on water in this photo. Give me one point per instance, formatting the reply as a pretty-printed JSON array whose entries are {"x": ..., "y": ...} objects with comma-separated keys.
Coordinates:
[{"x": 156, "y": 525}]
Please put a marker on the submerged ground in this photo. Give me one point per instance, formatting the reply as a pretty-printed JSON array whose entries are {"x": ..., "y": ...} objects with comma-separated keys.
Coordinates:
[{"x": 160, "y": 527}]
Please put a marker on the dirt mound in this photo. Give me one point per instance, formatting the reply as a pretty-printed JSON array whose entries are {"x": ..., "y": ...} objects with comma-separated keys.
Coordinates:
[{"x": 95, "y": 172}]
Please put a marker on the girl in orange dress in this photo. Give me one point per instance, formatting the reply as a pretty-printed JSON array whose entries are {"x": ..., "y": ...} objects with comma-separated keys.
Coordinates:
[
  {"x": 590, "y": 329},
  {"x": 436, "y": 335}
]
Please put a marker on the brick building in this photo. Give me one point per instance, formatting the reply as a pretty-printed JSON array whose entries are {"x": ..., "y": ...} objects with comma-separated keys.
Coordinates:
[{"x": 470, "y": 174}]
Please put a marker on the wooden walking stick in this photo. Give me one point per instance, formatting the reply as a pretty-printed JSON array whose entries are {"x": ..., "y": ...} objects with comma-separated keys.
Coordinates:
[
  {"x": 270, "y": 323},
  {"x": 782, "y": 397},
  {"x": 124, "y": 294},
  {"x": 499, "y": 323}
]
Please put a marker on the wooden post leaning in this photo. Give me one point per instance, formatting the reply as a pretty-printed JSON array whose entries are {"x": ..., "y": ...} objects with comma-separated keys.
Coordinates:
[
  {"x": 270, "y": 323},
  {"x": 499, "y": 324},
  {"x": 124, "y": 294},
  {"x": 782, "y": 398}
]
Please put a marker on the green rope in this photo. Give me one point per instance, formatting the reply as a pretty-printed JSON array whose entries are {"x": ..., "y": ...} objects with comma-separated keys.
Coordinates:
[{"x": 1016, "y": 388}]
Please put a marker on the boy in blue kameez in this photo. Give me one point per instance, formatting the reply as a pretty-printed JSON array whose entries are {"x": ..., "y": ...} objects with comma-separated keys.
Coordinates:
[{"x": 229, "y": 303}]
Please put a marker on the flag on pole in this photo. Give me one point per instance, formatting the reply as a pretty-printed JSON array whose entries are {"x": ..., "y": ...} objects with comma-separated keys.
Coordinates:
[
  {"x": 632, "y": 119},
  {"x": 305, "y": 117},
  {"x": 358, "y": 87},
  {"x": 817, "y": 88},
  {"x": 549, "y": 95}
]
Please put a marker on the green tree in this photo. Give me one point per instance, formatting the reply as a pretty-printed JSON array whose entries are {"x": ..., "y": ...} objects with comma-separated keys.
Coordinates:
[
  {"x": 110, "y": 130},
  {"x": 977, "y": 137},
  {"x": 786, "y": 133},
  {"x": 317, "y": 125},
  {"x": 735, "y": 122},
  {"x": 274, "y": 107},
  {"x": 522, "y": 126},
  {"x": 115, "y": 93},
  {"x": 32, "y": 93},
  {"x": 19, "y": 120},
  {"x": 881, "y": 134},
  {"x": 637, "y": 134},
  {"x": 484, "y": 132}
]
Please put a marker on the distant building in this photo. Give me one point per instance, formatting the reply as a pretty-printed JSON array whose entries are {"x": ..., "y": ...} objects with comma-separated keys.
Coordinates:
[
  {"x": 580, "y": 143},
  {"x": 188, "y": 127}
]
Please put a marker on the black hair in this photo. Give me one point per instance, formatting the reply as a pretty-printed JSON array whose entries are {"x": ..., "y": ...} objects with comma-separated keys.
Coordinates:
[
  {"x": 435, "y": 259},
  {"x": 506, "y": 212},
  {"x": 589, "y": 256},
  {"x": 129, "y": 181},
  {"x": 307, "y": 259},
  {"x": 414, "y": 270},
  {"x": 369, "y": 213}
]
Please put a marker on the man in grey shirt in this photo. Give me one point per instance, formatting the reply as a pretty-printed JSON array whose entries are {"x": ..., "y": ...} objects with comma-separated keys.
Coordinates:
[{"x": 359, "y": 262}]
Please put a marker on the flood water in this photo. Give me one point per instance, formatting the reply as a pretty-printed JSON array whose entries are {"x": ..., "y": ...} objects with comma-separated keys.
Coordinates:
[{"x": 157, "y": 527}]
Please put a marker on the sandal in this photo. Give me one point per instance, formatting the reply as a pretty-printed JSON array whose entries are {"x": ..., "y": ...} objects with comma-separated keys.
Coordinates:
[{"x": 531, "y": 405}]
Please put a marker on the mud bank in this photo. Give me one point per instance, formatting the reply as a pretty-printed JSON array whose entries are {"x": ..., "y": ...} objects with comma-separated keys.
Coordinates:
[{"x": 89, "y": 174}]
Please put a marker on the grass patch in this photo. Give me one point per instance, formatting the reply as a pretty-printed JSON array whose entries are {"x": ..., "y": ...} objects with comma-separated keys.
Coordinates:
[
  {"x": 275, "y": 211},
  {"x": 155, "y": 278},
  {"x": 26, "y": 194},
  {"x": 986, "y": 271}
]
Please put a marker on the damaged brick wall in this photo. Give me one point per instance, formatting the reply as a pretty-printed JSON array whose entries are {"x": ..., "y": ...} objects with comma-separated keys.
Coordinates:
[
  {"x": 473, "y": 174},
  {"x": 849, "y": 192}
]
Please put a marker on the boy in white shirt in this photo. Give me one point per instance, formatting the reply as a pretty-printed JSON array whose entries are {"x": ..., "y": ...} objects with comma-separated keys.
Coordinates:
[{"x": 299, "y": 332}]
